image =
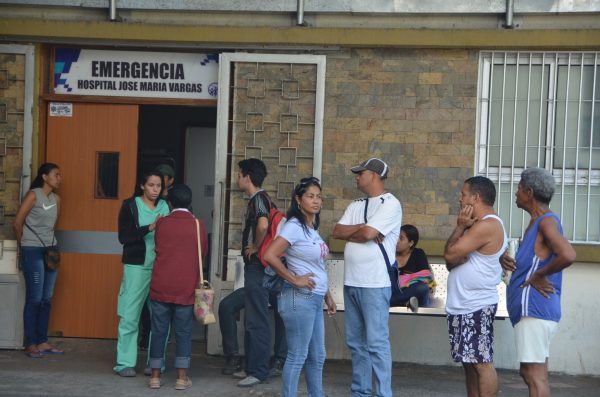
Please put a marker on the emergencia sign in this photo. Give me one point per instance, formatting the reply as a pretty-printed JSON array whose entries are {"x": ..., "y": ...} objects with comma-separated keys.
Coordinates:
[{"x": 135, "y": 73}]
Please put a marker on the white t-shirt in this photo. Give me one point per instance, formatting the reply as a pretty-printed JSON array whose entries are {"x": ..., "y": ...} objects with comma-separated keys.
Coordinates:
[
  {"x": 306, "y": 253},
  {"x": 364, "y": 264},
  {"x": 472, "y": 285}
]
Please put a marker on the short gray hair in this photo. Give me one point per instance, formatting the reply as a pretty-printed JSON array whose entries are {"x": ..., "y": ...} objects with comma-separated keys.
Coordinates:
[{"x": 540, "y": 181}]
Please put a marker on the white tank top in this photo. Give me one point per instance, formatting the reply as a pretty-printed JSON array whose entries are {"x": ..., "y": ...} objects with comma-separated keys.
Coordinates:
[{"x": 472, "y": 285}]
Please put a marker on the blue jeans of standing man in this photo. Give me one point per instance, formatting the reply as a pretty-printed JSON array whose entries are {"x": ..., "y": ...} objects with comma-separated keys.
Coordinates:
[
  {"x": 302, "y": 313},
  {"x": 162, "y": 315},
  {"x": 367, "y": 336},
  {"x": 39, "y": 286},
  {"x": 258, "y": 325},
  {"x": 229, "y": 309}
]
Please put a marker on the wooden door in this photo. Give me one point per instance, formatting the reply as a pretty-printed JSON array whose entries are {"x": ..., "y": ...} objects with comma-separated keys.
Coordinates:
[{"x": 85, "y": 295}]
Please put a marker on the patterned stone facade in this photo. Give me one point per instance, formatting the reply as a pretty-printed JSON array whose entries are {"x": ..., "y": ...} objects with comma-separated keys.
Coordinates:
[
  {"x": 12, "y": 91},
  {"x": 414, "y": 108}
]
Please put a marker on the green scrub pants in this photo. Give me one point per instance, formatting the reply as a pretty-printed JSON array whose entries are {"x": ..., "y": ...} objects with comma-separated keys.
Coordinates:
[{"x": 132, "y": 296}]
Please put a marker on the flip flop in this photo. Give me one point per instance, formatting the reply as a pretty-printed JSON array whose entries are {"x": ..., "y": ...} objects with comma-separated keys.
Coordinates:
[
  {"x": 53, "y": 350},
  {"x": 32, "y": 354}
]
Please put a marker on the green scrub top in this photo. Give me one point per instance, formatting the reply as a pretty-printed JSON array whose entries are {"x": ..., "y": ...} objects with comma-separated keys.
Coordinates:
[{"x": 146, "y": 216}]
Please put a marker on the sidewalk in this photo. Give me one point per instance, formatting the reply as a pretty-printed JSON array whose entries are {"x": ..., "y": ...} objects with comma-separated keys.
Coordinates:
[{"x": 86, "y": 370}]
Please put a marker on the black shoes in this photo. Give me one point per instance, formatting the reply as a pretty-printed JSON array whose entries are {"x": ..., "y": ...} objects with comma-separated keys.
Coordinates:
[{"x": 233, "y": 364}]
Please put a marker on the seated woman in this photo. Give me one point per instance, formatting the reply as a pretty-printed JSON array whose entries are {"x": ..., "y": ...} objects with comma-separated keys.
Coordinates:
[{"x": 415, "y": 273}]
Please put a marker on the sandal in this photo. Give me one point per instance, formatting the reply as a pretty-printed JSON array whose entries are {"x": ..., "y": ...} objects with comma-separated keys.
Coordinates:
[
  {"x": 33, "y": 352},
  {"x": 155, "y": 383},
  {"x": 183, "y": 384}
]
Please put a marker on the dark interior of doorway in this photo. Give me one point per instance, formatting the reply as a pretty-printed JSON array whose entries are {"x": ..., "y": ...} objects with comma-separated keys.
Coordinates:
[
  {"x": 162, "y": 134},
  {"x": 161, "y": 140}
]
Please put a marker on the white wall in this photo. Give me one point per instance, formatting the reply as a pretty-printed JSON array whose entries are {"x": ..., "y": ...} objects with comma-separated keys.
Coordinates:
[{"x": 200, "y": 170}]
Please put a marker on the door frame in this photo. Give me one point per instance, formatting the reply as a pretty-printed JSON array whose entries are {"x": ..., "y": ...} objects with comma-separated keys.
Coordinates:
[{"x": 220, "y": 253}]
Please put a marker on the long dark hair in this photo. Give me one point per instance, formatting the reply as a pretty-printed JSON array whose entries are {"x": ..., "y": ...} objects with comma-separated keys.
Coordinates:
[
  {"x": 44, "y": 169},
  {"x": 412, "y": 234},
  {"x": 144, "y": 178},
  {"x": 294, "y": 211}
]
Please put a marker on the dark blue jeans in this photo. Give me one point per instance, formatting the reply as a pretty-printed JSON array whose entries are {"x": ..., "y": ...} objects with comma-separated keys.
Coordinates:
[
  {"x": 258, "y": 329},
  {"x": 182, "y": 318},
  {"x": 39, "y": 286},
  {"x": 229, "y": 308},
  {"x": 419, "y": 290}
]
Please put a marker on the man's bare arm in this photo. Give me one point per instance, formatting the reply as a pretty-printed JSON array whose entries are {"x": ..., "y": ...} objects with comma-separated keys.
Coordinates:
[
  {"x": 451, "y": 257},
  {"x": 564, "y": 256},
  {"x": 343, "y": 232}
]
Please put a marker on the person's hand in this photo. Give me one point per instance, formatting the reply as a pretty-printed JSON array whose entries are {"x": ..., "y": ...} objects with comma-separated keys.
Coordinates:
[
  {"x": 249, "y": 250},
  {"x": 304, "y": 281},
  {"x": 465, "y": 217},
  {"x": 541, "y": 284},
  {"x": 331, "y": 306},
  {"x": 152, "y": 226},
  {"x": 379, "y": 239},
  {"x": 508, "y": 264}
]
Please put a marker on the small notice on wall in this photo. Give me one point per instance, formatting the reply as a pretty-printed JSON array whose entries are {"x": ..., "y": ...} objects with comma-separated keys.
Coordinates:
[{"x": 60, "y": 109}]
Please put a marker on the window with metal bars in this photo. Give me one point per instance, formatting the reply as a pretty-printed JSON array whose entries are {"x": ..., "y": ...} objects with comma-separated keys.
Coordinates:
[{"x": 542, "y": 110}]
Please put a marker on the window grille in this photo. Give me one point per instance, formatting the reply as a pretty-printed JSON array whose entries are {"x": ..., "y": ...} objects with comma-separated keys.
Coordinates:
[{"x": 542, "y": 109}]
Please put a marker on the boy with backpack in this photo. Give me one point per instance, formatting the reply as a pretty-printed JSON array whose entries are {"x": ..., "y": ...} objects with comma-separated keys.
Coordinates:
[{"x": 251, "y": 175}]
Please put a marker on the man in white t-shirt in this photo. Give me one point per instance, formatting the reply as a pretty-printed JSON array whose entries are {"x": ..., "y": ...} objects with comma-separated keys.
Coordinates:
[
  {"x": 472, "y": 256},
  {"x": 368, "y": 222}
]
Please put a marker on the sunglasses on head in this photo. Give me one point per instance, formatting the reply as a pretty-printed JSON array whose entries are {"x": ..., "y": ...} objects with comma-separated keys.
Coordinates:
[{"x": 309, "y": 180}]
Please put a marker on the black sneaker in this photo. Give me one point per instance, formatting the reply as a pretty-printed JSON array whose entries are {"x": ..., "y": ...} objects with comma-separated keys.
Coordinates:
[
  {"x": 277, "y": 368},
  {"x": 233, "y": 364}
]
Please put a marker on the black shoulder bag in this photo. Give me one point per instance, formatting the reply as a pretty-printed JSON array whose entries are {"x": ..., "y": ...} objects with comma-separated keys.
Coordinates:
[
  {"x": 391, "y": 268},
  {"x": 51, "y": 253}
]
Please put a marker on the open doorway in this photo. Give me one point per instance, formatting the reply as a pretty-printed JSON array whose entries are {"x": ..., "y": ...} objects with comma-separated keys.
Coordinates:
[{"x": 183, "y": 137}]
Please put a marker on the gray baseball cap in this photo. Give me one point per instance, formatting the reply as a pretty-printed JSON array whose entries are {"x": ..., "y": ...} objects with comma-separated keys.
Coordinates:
[
  {"x": 376, "y": 165},
  {"x": 166, "y": 169}
]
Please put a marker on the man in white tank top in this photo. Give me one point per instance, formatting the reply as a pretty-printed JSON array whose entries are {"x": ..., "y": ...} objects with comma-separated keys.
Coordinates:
[{"x": 472, "y": 257}]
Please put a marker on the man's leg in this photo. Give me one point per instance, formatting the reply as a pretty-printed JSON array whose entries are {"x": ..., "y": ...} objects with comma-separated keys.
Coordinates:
[
  {"x": 535, "y": 376},
  {"x": 229, "y": 309},
  {"x": 356, "y": 339},
  {"x": 376, "y": 313},
  {"x": 257, "y": 322},
  {"x": 481, "y": 379},
  {"x": 471, "y": 380},
  {"x": 279, "y": 344}
]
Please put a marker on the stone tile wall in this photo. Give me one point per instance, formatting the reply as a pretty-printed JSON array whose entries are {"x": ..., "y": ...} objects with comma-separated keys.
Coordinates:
[
  {"x": 12, "y": 91},
  {"x": 414, "y": 108}
]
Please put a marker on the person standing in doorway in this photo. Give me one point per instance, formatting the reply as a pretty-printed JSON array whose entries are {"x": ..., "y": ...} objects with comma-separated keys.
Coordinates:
[
  {"x": 251, "y": 175},
  {"x": 137, "y": 221},
  {"x": 175, "y": 277},
  {"x": 144, "y": 333},
  {"x": 472, "y": 255},
  {"x": 533, "y": 294},
  {"x": 34, "y": 230},
  {"x": 371, "y": 227},
  {"x": 169, "y": 177}
]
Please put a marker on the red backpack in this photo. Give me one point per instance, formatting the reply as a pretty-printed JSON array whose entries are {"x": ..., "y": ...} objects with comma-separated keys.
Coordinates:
[{"x": 276, "y": 221}]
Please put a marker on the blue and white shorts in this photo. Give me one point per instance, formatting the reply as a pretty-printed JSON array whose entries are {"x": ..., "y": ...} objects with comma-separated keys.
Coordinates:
[{"x": 471, "y": 336}]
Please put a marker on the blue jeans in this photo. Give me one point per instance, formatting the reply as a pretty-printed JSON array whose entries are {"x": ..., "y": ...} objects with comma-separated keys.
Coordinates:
[
  {"x": 39, "y": 285},
  {"x": 229, "y": 308},
  {"x": 367, "y": 336},
  {"x": 162, "y": 316},
  {"x": 419, "y": 290},
  {"x": 302, "y": 313},
  {"x": 258, "y": 326}
]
